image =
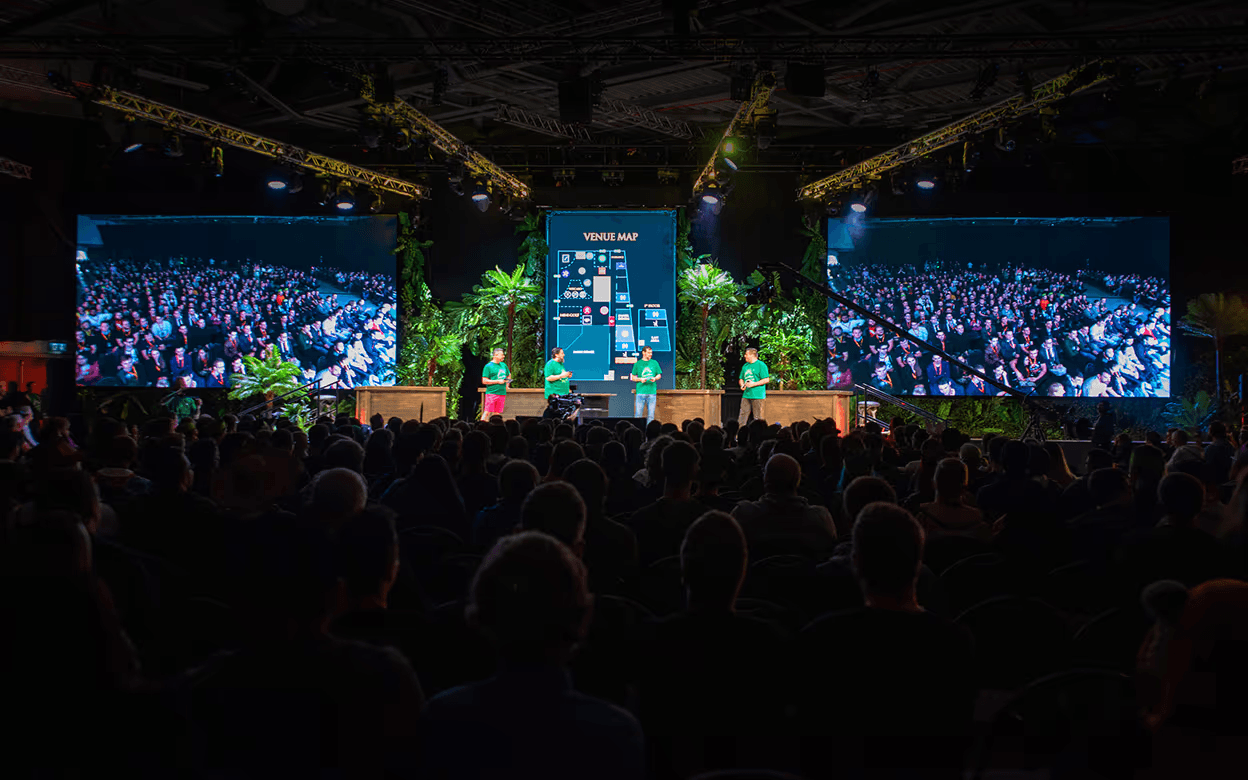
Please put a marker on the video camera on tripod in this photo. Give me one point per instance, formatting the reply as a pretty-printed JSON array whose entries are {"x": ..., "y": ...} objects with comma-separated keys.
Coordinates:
[{"x": 563, "y": 407}]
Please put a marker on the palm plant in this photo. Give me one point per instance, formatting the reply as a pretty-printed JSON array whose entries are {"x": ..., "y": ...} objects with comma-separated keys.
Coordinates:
[
  {"x": 1216, "y": 316},
  {"x": 497, "y": 302},
  {"x": 269, "y": 377},
  {"x": 707, "y": 288},
  {"x": 788, "y": 353}
]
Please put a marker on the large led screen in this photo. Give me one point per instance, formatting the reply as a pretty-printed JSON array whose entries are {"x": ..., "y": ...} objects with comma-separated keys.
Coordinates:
[
  {"x": 610, "y": 292},
  {"x": 180, "y": 301},
  {"x": 1076, "y": 307}
]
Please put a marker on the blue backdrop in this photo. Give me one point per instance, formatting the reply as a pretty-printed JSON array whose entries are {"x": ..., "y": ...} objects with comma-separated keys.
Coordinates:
[{"x": 611, "y": 289}]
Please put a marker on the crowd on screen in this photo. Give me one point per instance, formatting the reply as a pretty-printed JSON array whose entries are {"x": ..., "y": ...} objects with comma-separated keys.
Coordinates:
[
  {"x": 1029, "y": 329},
  {"x": 233, "y": 597},
  {"x": 189, "y": 322}
]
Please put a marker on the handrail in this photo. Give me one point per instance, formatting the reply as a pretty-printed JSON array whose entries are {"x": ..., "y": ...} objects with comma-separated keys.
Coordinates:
[
  {"x": 875, "y": 392},
  {"x": 292, "y": 395}
]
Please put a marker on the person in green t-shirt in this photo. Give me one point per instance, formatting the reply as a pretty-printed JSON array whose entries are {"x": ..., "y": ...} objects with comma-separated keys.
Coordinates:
[
  {"x": 496, "y": 377},
  {"x": 754, "y": 379},
  {"x": 181, "y": 404},
  {"x": 646, "y": 374},
  {"x": 556, "y": 376}
]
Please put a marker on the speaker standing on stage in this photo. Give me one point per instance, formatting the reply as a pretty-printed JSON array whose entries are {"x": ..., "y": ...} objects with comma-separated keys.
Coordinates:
[
  {"x": 646, "y": 373},
  {"x": 754, "y": 378},
  {"x": 556, "y": 376},
  {"x": 495, "y": 377}
]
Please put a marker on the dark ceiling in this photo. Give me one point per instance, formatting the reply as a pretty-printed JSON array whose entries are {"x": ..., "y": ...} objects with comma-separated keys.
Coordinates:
[{"x": 489, "y": 70}]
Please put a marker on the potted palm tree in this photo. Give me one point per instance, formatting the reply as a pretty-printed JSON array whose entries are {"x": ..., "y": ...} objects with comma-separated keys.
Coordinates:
[
  {"x": 707, "y": 288},
  {"x": 1216, "y": 316}
]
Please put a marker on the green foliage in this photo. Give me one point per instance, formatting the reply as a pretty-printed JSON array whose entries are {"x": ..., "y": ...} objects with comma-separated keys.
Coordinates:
[
  {"x": 973, "y": 416},
  {"x": 787, "y": 356},
  {"x": 1216, "y": 316},
  {"x": 816, "y": 257},
  {"x": 487, "y": 317},
  {"x": 269, "y": 377},
  {"x": 1191, "y": 414},
  {"x": 534, "y": 249},
  {"x": 684, "y": 245},
  {"x": 708, "y": 298}
]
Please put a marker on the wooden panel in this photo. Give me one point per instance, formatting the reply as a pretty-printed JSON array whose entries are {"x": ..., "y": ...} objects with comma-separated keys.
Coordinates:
[
  {"x": 789, "y": 406},
  {"x": 406, "y": 403},
  {"x": 676, "y": 406}
]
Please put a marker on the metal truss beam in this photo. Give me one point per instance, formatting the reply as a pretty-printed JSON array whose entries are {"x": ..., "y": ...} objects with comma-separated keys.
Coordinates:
[
  {"x": 14, "y": 168},
  {"x": 639, "y": 116},
  {"x": 1043, "y": 95},
  {"x": 513, "y": 115},
  {"x": 443, "y": 140},
  {"x": 1240, "y": 166},
  {"x": 193, "y": 124},
  {"x": 1004, "y": 44},
  {"x": 760, "y": 95}
]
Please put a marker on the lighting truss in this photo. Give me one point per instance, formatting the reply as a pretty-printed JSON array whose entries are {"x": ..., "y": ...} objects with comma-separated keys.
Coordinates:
[
  {"x": 760, "y": 95},
  {"x": 442, "y": 139},
  {"x": 1240, "y": 165},
  {"x": 1043, "y": 95},
  {"x": 511, "y": 115},
  {"x": 1003, "y": 44},
  {"x": 14, "y": 168},
  {"x": 640, "y": 116},
  {"x": 193, "y": 124}
]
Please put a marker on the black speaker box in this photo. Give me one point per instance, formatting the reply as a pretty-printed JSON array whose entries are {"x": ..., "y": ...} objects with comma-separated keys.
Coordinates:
[
  {"x": 576, "y": 101},
  {"x": 805, "y": 80}
]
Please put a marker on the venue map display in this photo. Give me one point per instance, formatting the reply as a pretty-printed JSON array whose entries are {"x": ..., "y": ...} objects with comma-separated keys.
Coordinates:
[{"x": 611, "y": 290}]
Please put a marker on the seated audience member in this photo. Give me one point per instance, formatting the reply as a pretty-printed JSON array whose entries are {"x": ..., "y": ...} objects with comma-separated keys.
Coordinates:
[
  {"x": 1198, "y": 726},
  {"x": 516, "y": 480},
  {"x": 1095, "y": 534},
  {"x": 661, "y": 526},
  {"x": 888, "y": 671},
  {"x": 527, "y": 721},
  {"x": 610, "y": 547},
  {"x": 293, "y": 700},
  {"x": 948, "y": 514},
  {"x": 368, "y": 550},
  {"x": 1015, "y": 491},
  {"x": 556, "y": 509},
  {"x": 693, "y": 719},
  {"x": 782, "y": 522}
]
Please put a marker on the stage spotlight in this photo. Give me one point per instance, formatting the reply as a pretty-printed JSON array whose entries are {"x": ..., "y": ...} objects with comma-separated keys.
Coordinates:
[
  {"x": 987, "y": 77},
  {"x": 1026, "y": 85},
  {"x": 730, "y": 158},
  {"x": 370, "y": 132},
  {"x": 1005, "y": 142},
  {"x": 324, "y": 192},
  {"x": 296, "y": 183},
  {"x": 668, "y": 176},
  {"x": 277, "y": 180},
  {"x": 564, "y": 177},
  {"x": 376, "y": 202},
  {"x": 926, "y": 183},
  {"x": 481, "y": 197},
  {"x": 402, "y": 139},
  {"x": 173, "y": 144},
  {"x": 711, "y": 195},
  {"x": 765, "y": 121},
  {"x": 858, "y": 207},
  {"x": 344, "y": 198},
  {"x": 832, "y": 208},
  {"x": 132, "y": 147},
  {"x": 613, "y": 178}
]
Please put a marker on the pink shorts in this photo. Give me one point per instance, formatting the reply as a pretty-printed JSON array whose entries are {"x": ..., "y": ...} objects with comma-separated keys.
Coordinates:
[{"x": 494, "y": 404}]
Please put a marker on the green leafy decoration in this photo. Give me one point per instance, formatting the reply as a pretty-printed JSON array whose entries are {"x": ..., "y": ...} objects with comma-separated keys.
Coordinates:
[
  {"x": 705, "y": 289},
  {"x": 270, "y": 377},
  {"x": 1191, "y": 414},
  {"x": 492, "y": 310},
  {"x": 1216, "y": 316}
]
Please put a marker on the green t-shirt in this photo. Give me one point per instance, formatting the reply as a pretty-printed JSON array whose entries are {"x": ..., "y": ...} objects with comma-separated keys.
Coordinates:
[
  {"x": 647, "y": 370},
  {"x": 182, "y": 406},
  {"x": 494, "y": 370},
  {"x": 753, "y": 372},
  {"x": 558, "y": 387}
]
